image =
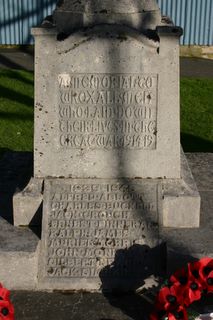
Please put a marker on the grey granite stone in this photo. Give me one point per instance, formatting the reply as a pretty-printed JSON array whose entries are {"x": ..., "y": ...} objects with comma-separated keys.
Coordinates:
[
  {"x": 107, "y": 229},
  {"x": 27, "y": 202},
  {"x": 16, "y": 239},
  {"x": 202, "y": 168},
  {"x": 78, "y": 86},
  {"x": 122, "y": 6},
  {"x": 99, "y": 233},
  {"x": 181, "y": 200},
  {"x": 79, "y": 306},
  {"x": 18, "y": 257},
  {"x": 195, "y": 242},
  {"x": 18, "y": 270},
  {"x": 15, "y": 172},
  {"x": 186, "y": 244},
  {"x": 19, "y": 244},
  {"x": 71, "y": 15},
  {"x": 107, "y": 144}
]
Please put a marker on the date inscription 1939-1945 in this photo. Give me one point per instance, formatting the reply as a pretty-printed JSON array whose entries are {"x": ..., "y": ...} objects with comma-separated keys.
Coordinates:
[{"x": 88, "y": 222}]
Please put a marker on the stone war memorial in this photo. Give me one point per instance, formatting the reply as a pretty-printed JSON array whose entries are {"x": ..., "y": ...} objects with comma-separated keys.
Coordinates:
[{"x": 109, "y": 172}]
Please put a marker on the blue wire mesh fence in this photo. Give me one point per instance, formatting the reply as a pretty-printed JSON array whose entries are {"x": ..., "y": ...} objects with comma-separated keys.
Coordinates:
[{"x": 18, "y": 16}]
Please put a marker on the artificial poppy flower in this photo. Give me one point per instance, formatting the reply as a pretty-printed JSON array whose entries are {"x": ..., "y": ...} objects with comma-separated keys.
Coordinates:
[
  {"x": 206, "y": 268},
  {"x": 4, "y": 293},
  {"x": 193, "y": 292},
  {"x": 6, "y": 310},
  {"x": 184, "y": 287},
  {"x": 158, "y": 315},
  {"x": 200, "y": 270},
  {"x": 179, "y": 314},
  {"x": 209, "y": 282},
  {"x": 194, "y": 270},
  {"x": 154, "y": 316},
  {"x": 206, "y": 265},
  {"x": 180, "y": 277},
  {"x": 188, "y": 282},
  {"x": 169, "y": 298}
]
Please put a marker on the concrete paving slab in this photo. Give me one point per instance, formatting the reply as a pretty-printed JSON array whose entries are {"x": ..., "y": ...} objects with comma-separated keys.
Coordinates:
[
  {"x": 92, "y": 306},
  {"x": 79, "y": 306},
  {"x": 196, "y": 67},
  {"x": 13, "y": 58},
  {"x": 198, "y": 242}
]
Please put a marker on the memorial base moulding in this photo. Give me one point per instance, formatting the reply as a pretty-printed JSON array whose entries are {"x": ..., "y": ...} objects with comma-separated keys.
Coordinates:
[{"x": 104, "y": 233}]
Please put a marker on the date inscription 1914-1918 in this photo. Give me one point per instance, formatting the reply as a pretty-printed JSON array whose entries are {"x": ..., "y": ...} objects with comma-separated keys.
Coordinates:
[{"x": 107, "y": 111}]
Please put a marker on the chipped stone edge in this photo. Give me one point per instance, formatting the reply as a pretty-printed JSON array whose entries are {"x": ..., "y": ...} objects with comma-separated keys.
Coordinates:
[
  {"x": 181, "y": 203},
  {"x": 27, "y": 202}
]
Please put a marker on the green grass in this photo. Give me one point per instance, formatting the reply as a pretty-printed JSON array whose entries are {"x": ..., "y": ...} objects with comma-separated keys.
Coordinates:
[
  {"x": 16, "y": 112},
  {"x": 197, "y": 114}
]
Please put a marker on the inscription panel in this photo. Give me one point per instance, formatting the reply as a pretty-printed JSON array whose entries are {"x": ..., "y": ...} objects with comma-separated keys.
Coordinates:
[
  {"x": 89, "y": 224},
  {"x": 107, "y": 111}
]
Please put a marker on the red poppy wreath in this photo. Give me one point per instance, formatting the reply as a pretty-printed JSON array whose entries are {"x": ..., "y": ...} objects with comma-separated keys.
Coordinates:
[
  {"x": 6, "y": 307},
  {"x": 184, "y": 287}
]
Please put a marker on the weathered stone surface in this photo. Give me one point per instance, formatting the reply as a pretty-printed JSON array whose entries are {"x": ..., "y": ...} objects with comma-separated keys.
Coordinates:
[
  {"x": 14, "y": 239},
  {"x": 98, "y": 233},
  {"x": 107, "y": 114},
  {"x": 83, "y": 124},
  {"x": 79, "y": 305},
  {"x": 201, "y": 166},
  {"x": 18, "y": 270},
  {"x": 194, "y": 242},
  {"x": 181, "y": 200},
  {"x": 186, "y": 244},
  {"x": 27, "y": 202},
  {"x": 106, "y": 105},
  {"x": 122, "y": 6},
  {"x": 91, "y": 225},
  {"x": 71, "y": 15},
  {"x": 15, "y": 172},
  {"x": 16, "y": 244},
  {"x": 18, "y": 257}
]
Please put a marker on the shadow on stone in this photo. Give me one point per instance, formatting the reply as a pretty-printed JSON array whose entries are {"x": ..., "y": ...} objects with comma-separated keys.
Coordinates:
[
  {"x": 133, "y": 268},
  {"x": 36, "y": 222},
  {"x": 177, "y": 260},
  {"x": 131, "y": 304},
  {"x": 15, "y": 171}
]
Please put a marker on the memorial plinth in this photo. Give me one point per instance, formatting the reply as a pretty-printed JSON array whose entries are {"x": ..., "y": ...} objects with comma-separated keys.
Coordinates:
[
  {"x": 90, "y": 224},
  {"x": 107, "y": 144},
  {"x": 115, "y": 107}
]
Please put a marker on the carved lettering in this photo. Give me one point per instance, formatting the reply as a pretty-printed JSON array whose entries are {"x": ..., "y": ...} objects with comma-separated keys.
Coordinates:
[
  {"x": 88, "y": 223},
  {"x": 100, "y": 111}
]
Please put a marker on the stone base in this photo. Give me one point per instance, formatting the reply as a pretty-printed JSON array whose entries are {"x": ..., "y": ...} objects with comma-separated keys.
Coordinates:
[
  {"x": 27, "y": 202},
  {"x": 18, "y": 257},
  {"x": 99, "y": 234},
  {"x": 181, "y": 200},
  {"x": 104, "y": 233},
  {"x": 19, "y": 247}
]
